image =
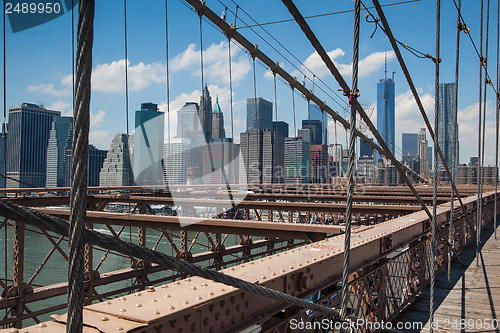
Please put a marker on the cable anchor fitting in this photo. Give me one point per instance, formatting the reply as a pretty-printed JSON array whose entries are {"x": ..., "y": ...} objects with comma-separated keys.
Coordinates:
[
  {"x": 483, "y": 60},
  {"x": 353, "y": 95}
]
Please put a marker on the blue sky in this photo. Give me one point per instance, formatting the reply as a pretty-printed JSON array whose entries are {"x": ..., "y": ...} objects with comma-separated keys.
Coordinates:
[{"x": 39, "y": 62}]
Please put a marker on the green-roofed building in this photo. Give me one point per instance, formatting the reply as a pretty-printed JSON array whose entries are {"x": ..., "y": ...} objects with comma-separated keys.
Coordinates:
[{"x": 218, "y": 131}]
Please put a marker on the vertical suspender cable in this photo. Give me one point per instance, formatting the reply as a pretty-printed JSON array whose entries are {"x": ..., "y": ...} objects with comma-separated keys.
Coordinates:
[
  {"x": 497, "y": 109},
  {"x": 454, "y": 144},
  {"x": 434, "y": 181},
  {"x": 479, "y": 169},
  {"x": 78, "y": 197},
  {"x": 126, "y": 62},
  {"x": 233, "y": 180},
  {"x": 350, "y": 172},
  {"x": 168, "y": 97},
  {"x": 296, "y": 171}
]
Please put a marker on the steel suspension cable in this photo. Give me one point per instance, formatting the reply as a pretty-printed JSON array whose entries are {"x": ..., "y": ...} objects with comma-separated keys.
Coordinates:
[
  {"x": 78, "y": 195},
  {"x": 497, "y": 110},
  {"x": 296, "y": 135},
  {"x": 126, "y": 64},
  {"x": 276, "y": 117},
  {"x": 351, "y": 168},
  {"x": 435, "y": 178},
  {"x": 454, "y": 145},
  {"x": 4, "y": 131},
  {"x": 479, "y": 169}
]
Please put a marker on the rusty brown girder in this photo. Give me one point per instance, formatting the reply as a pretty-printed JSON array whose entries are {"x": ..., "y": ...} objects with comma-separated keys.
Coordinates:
[{"x": 198, "y": 305}]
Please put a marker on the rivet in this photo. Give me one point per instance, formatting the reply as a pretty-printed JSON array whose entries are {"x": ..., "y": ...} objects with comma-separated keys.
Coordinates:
[
  {"x": 252, "y": 263},
  {"x": 188, "y": 280},
  {"x": 154, "y": 300},
  {"x": 14, "y": 330},
  {"x": 263, "y": 277},
  {"x": 291, "y": 267},
  {"x": 299, "y": 264},
  {"x": 243, "y": 265},
  {"x": 137, "y": 294},
  {"x": 171, "y": 307},
  {"x": 199, "y": 298},
  {"x": 123, "y": 298},
  {"x": 307, "y": 261},
  {"x": 151, "y": 289},
  {"x": 164, "y": 286},
  {"x": 104, "y": 319},
  {"x": 177, "y": 282},
  {"x": 273, "y": 274},
  {"x": 210, "y": 294},
  {"x": 193, "y": 288},
  {"x": 42, "y": 325},
  {"x": 118, "y": 329},
  {"x": 138, "y": 305},
  {"x": 123, "y": 310},
  {"x": 204, "y": 284},
  {"x": 222, "y": 290},
  {"x": 107, "y": 303},
  {"x": 232, "y": 268},
  {"x": 167, "y": 296},
  {"x": 283, "y": 271},
  {"x": 156, "y": 312},
  {"x": 185, "y": 302}
]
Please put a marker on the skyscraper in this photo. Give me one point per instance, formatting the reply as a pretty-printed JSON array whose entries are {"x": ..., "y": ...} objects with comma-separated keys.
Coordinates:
[
  {"x": 316, "y": 128},
  {"x": 365, "y": 150},
  {"x": 117, "y": 168},
  {"x": 148, "y": 145},
  {"x": 446, "y": 124},
  {"x": 187, "y": 119},
  {"x": 218, "y": 131},
  {"x": 410, "y": 144},
  {"x": 319, "y": 172},
  {"x": 423, "y": 153},
  {"x": 315, "y": 113},
  {"x": 177, "y": 161},
  {"x": 96, "y": 161},
  {"x": 220, "y": 162},
  {"x": 261, "y": 152},
  {"x": 29, "y": 131},
  {"x": 259, "y": 113},
  {"x": 386, "y": 111},
  {"x": 297, "y": 154},
  {"x": 60, "y": 140},
  {"x": 282, "y": 127},
  {"x": 205, "y": 114}
]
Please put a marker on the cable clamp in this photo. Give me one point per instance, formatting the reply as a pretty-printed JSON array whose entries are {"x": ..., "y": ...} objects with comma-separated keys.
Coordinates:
[
  {"x": 434, "y": 59},
  {"x": 255, "y": 50},
  {"x": 488, "y": 81},
  {"x": 353, "y": 95},
  {"x": 462, "y": 27},
  {"x": 483, "y": 60},
  {"x": 202, "y": 8}
]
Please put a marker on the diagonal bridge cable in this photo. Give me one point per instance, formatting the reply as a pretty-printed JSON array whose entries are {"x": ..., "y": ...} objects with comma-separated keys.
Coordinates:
[{"x": 61, "y": 227}]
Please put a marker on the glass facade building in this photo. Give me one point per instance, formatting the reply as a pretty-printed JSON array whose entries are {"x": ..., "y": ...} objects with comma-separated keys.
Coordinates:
[
  {"x": 386, "y": 111},
  {"x": 446, "y": 123},
  {"x": 117, "y": 169},
  {"x": 27, "y": 142},
  {"x": 259, "y": 113},
  {"x": 410, "y": 144},
  {"x": 60, "y": 141}
]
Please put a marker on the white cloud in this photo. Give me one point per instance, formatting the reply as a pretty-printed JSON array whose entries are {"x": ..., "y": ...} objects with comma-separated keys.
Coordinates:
[
  {"x": 367, "y": 65},
  {"x": 96, "y": 120},
  {"x": 215, "y": 61},
  {"x": 100, "y": 139},
  {"x": 110, "y": 78},
  {"x": 62, "y": 106},
  {"x": 49, "y": 89}
]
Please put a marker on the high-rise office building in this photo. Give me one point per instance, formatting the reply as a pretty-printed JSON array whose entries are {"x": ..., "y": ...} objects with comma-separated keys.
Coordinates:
[
  {"x": 316, "y": 128},
  {"x": 96, "y": 161},
  {"x": 261, "y": 156},
  {"x": 29, "y": 131},
  {"x": 446, "y": 124},
  {"x": 282, "y": 127},
  {"x": 218, "y": 131},
  {"x": 365, "y": 150},
  {"x": 177, "y": 161},
  {"x": 410, "y": 144},
  {"x": 187, "y": 119},
  {"x": 319, "y": 172},
  {"x": 117, "y": 167},
  {"x": 386, "y": 111},
  {"x": 335, "y": 154},
  {"x": 297, "y": 155},
  {"x": 60, "y": 140},
  {"x": 315, "y": 113},
  {"x": 259, "y": 113},
  {"x": 220, "y": 162},
  {"x": 205, "y": 114},
  {"x": 148, "y": 145},
  {"x": 423, "y": 153}
]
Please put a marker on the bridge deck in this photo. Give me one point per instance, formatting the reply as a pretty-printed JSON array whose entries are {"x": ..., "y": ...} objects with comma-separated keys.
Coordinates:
[{"x": 474, "y": 297}]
